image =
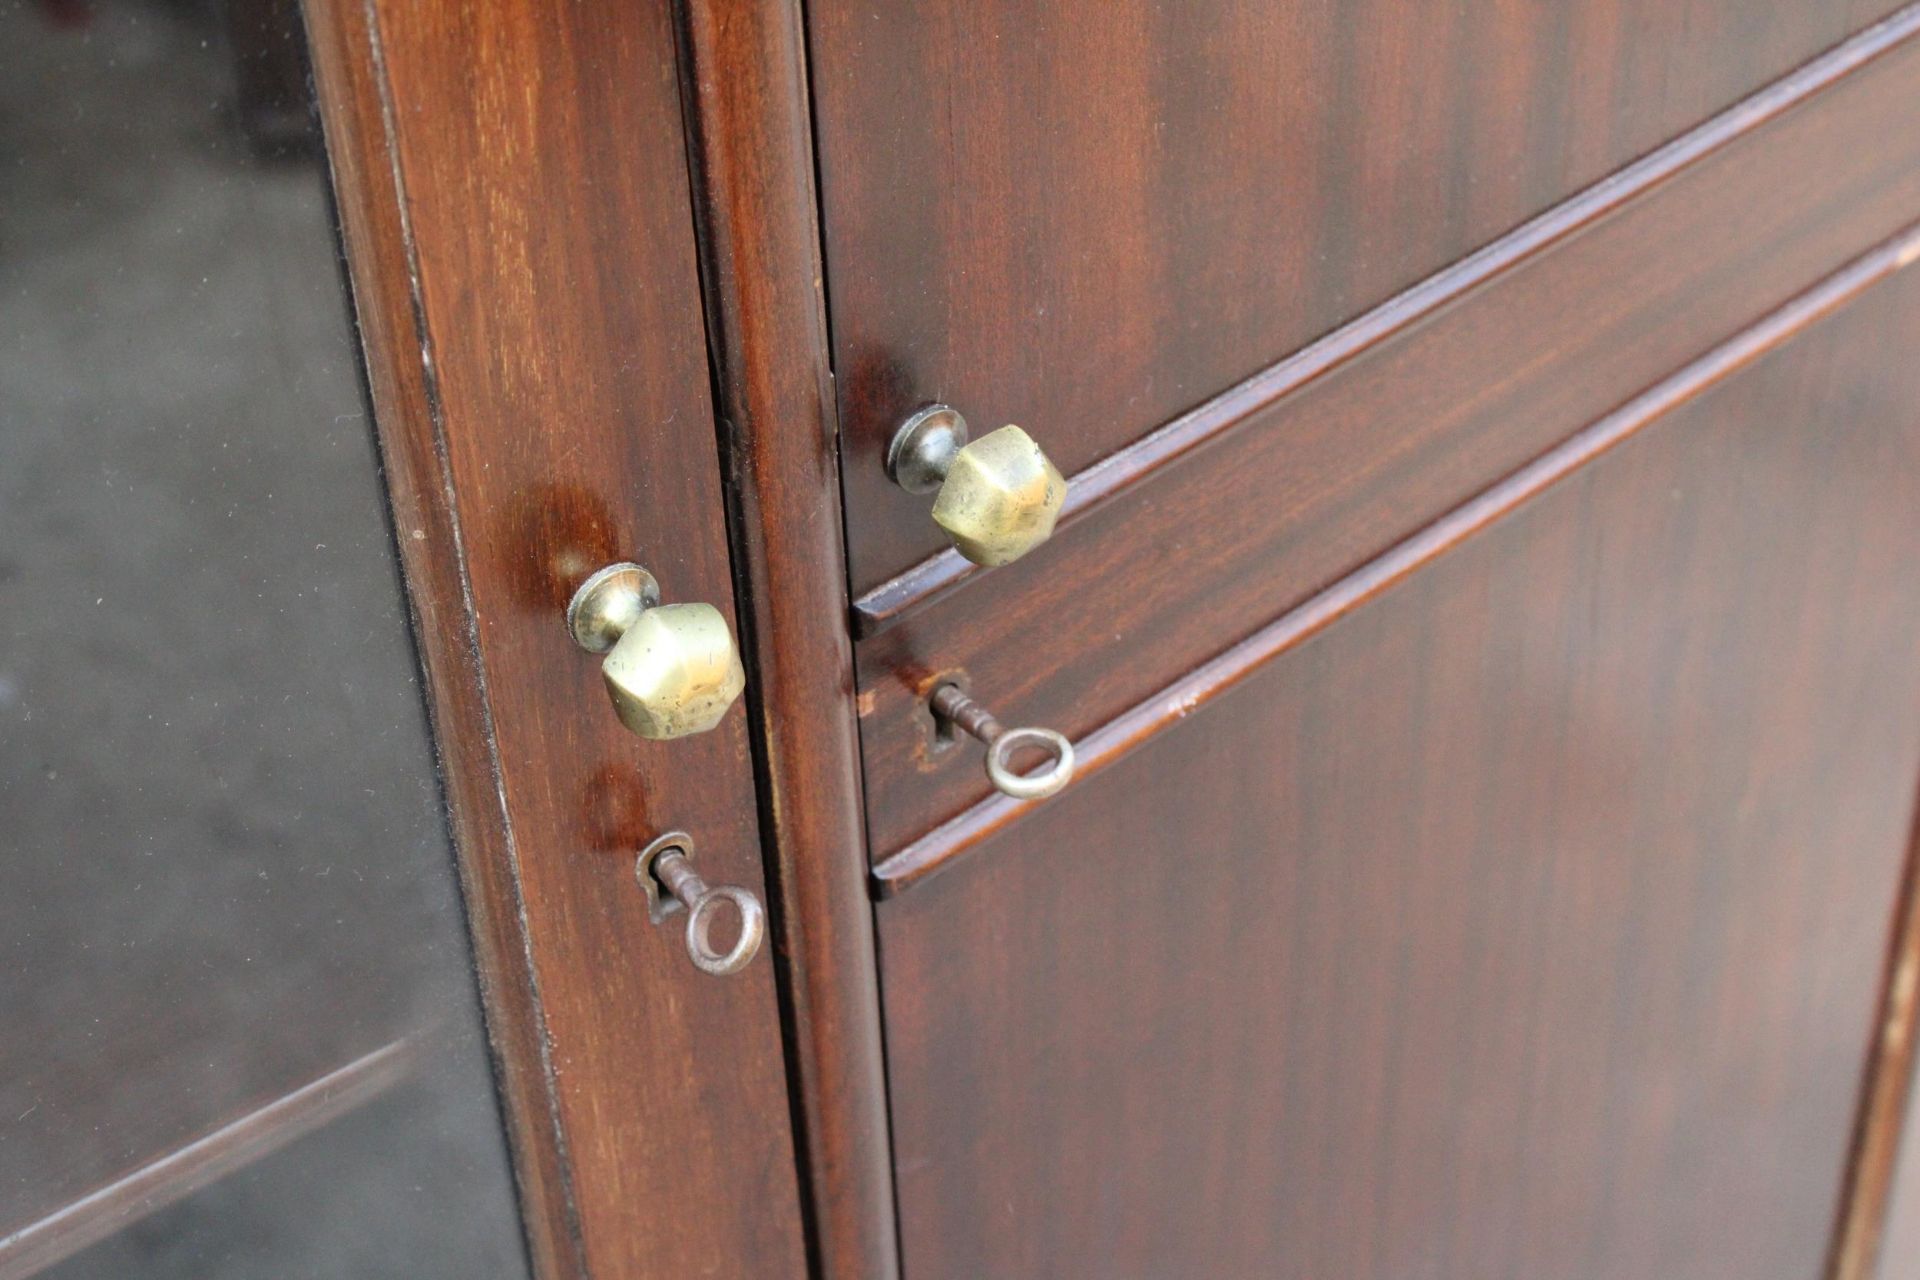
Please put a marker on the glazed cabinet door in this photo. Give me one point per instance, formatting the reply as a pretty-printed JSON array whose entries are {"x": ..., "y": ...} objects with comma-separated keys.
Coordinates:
[
  {"x": 1464, "y": 527},
  {"x": 240, "y": 1033},
  {"x": 327, "y": 953}
]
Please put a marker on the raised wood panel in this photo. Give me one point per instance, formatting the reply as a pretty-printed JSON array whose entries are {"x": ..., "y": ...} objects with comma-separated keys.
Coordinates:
[
  {"x": 1087, "y": 217},
  {"x": 1294, "y": 486},
  {"x": 1528, "y": 921},
  {"x": 540, "y": 367}
]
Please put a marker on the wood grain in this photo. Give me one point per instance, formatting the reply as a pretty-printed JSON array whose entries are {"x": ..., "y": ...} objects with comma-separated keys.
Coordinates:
[
  {"x": 1305, "y": 490},
  {"x": 1527, "y": 921},
  {"x": 381, "y": 268},
  {"x": 1882, "y": 1238},
  {"x": 1088, "y": 217},
  {"x": 1134, "y": 464},
  {"x": 559, "y": 404},
  {"x": 746, "y": 93},
  {"x": 1218, "y": 677},
  {"x": 1865, "y": 1216}
]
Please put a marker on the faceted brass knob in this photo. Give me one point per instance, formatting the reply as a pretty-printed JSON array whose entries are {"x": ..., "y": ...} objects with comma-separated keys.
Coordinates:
[
  {"x": 672, "y": 669},
  {"x": 999, "y": 496}
]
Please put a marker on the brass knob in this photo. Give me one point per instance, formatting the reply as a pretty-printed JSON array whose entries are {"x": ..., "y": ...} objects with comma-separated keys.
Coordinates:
[
  {"x": 671, "y": 669},
  {"x": 666, "y": 875},
  {"x": 999, "y": 496}
]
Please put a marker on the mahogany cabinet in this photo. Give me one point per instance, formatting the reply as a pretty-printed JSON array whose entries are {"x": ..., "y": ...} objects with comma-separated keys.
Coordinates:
[{"x": 1458, "y": 576}]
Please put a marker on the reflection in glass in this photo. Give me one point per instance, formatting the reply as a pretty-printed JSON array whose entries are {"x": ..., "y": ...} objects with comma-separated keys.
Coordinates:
[{"x": 238, "y": 1025}]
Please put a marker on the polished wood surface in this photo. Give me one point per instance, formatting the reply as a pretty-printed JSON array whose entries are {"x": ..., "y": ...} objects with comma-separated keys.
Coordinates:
[
  {"x": 379, "y": 261},
  {"x": 1878, "y": 1159},
  {"x": 745, "y": 76},
  {"x": 960, "y": 836},
  {"x": 1893, "y": 1251},
  {"x": 1484, "y": 613},
  {"x": 1527, "y": 920},
  {"x": 1125, "y": 469},
  {"x": 1492, "y": 671},
  {"x": 1088, "y": 217},
  {"x": 1300, "y": 477},
  {"x": 540, "y": 370}
]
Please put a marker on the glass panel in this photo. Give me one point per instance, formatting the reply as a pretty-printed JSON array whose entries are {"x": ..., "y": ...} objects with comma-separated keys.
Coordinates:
[{"x": 239, "y": 1032}]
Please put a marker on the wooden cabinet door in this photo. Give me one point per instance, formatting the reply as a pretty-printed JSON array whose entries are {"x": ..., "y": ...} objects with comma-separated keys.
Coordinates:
[
  {"x": 1484, "y": 612},
  {"x": 1529, "y": 920}
]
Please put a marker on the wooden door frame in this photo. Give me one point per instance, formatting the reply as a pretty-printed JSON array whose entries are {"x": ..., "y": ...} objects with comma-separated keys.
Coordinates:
[
  {"x": 650, "y": 1135},
  {"x": 367, "y": 198},
  {"x": 744, "y": 77}
]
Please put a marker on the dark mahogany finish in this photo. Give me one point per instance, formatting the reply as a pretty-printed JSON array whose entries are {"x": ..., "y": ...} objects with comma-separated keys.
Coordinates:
[
  {"x": 746, "y": 89},
  {"x": 1286, "y": 483},
  {"x": 516, "y": 183},
  {"x": 1527, "y": 921},
  {"x": 1495, "y": 671},
  {"x": 1898, "y": 1250},
  {"x": 1088, "y": 217}
]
